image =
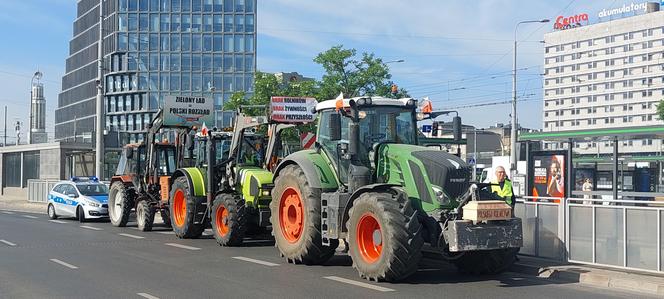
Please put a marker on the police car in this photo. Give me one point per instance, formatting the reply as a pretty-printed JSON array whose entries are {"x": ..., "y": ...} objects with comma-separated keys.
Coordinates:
[{"x": 81, "y": 197}]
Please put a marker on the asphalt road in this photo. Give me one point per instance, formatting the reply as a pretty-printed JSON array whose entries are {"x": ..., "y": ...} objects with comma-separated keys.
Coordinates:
[{"x": 65, "y": 259}]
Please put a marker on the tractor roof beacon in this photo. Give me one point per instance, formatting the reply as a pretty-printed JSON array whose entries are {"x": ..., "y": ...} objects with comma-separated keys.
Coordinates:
[{"x": 368, "y": 181}]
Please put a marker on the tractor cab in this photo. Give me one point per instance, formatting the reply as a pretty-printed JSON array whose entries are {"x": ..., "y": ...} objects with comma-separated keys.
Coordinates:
[{"x": 131, "y": 166}]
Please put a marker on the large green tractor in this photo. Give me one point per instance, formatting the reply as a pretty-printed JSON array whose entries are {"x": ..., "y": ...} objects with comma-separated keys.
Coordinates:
[
  {"x": 369, "y": 182},
  {"x": 232, "y": 193}
]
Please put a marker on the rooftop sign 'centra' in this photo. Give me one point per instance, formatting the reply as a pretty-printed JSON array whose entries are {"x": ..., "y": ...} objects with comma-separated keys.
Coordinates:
[{"x": 570, "y": 22}]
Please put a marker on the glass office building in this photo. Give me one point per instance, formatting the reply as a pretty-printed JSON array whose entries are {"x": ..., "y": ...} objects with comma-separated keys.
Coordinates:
[{"x": 154, "y": 48}]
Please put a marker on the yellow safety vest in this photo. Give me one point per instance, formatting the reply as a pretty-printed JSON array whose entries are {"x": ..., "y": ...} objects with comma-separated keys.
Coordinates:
[{"x": 505, "y": 192}]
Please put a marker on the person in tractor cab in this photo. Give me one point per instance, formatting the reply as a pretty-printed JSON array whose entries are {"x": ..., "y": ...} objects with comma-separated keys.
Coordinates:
[{"x": 502, "y": 186}]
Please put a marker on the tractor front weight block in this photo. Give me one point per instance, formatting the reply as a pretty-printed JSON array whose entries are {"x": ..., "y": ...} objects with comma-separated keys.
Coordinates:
[{"x": 463, "y": 235}]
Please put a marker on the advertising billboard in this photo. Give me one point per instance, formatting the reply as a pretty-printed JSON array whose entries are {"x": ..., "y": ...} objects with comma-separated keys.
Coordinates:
[
  {"x": 187, "y": 111},
  {"x": 548, "y": 173}
]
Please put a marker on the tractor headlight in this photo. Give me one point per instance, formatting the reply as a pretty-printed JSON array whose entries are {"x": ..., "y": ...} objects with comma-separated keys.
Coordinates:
[{"x": 440, "y": 195}]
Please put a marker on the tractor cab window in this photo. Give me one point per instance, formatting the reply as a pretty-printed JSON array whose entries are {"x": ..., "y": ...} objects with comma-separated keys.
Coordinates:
[
  {"x": 387, "y": 124},
  {"x": 166, "y": 160},
  {"x": 223, "y": 148},
  {"x": 133, "y": 164},
  {"x": 252, "y": 151},
  {"x": 331, "y": 147}
]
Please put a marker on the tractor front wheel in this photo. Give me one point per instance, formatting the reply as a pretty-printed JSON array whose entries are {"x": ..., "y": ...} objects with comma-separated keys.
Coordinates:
[
  {"x": 228, "y": 220},
  {"x": 182, "y": 207},
  {"x": 295, "y": 217},
  {"x": 486, "y": 261},
  {"x": 385, "y": 236},
  {"x": 145, "y": 215}
]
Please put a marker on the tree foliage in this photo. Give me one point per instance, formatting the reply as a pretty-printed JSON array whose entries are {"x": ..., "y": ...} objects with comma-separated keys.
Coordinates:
[{"x": 660, "y": 110}]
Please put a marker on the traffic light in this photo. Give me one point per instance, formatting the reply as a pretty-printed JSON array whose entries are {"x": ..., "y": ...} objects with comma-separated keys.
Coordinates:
[
  {"x": 456, "y": 128},
  {"x": 434, "y": 129}
]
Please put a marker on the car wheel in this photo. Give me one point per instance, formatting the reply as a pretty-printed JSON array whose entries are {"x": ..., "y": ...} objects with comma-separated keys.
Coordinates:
[
  {"x": 81, "y": 214},
  {"x": 51, "y": 212}
]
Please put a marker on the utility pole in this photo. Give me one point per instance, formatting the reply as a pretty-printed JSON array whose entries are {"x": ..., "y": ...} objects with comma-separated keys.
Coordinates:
[
  {"x": 99, "y": 125},
  {"x": 4, "y": 143}
]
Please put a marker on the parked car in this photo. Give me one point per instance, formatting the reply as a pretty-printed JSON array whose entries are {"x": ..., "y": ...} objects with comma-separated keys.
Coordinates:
[{"x": 82, "y": 197}]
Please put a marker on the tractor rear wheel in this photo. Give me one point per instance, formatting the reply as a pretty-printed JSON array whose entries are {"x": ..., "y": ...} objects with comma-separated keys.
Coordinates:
[
  {"x": 385, "y": 236},
  {"x": 486, "y": 261},
  {"x": 120, "y": 203},
  {"x": 145, "y": 215},
  {"x": 295, "y": 217},
  {"x": 228, "y": 220},
  {"x": 183, "y": 206}
]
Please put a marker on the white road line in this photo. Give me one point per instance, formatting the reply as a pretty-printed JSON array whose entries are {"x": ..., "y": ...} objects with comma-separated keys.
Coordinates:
[
  {"x": 360, "y": 284},
  {"x": 58, "y": 221},
  {"x": 246, "y": 259},
  {"x": 146, "y": 295},
  {"x": 8, "y": 243},
  {"x": 30, "y": 216},
  {"x": 70, "y": 266},
  {"x": 8, "y": 212},
  {"x": 91, "y": 227},
  {"x": 167, "y": 233},
  {"x": 131, "y": 236},
  {"x": 182, "y": 246}
]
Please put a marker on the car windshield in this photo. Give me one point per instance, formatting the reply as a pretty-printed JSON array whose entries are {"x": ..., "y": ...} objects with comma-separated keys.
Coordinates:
[{"x": 92, "y": 189}]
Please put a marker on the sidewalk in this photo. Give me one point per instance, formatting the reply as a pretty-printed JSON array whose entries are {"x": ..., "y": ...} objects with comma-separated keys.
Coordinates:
[
  {"x": 21, "y": 204},
  {"x": 606, "y": 278}
]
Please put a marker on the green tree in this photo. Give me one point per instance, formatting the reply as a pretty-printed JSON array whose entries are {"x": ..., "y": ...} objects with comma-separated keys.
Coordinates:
[
  {"x": 660, "y": 109},
  {"x": 354, "y": 76}
]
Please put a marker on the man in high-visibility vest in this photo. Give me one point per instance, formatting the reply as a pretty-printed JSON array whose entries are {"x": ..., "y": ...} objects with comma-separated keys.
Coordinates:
[{"x": 502, "y": 186}]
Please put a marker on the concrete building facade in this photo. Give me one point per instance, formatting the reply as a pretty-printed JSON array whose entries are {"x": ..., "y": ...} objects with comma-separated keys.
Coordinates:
[{"x": 605, "y": 75}]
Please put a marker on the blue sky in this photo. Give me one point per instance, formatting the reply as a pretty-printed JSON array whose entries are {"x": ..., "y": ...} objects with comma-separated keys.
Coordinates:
[{"x": 459, "y": 53}]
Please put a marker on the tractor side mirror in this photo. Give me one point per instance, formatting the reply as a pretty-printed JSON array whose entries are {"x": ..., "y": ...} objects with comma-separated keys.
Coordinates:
[
  {"x": 335, "y": 127},
  {"x": 456, "y": 128}
]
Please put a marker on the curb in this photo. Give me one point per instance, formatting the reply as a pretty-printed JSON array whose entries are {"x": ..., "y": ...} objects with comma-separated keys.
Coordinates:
[{"x": 631, "y": 282}]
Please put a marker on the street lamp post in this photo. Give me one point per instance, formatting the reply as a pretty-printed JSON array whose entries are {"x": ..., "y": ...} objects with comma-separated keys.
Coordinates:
[
  {"x": 513, "y": 134},
  {"x": 99, "y": 125}
]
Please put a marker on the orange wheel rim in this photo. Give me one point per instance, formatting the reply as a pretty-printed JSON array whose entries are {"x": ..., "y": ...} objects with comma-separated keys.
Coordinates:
[
  {"x": 369, "y": 238},
  {"x": 222, "y": 221},
  {"x": 292, "y": 215},
  {"x": 179, "y": 207}
]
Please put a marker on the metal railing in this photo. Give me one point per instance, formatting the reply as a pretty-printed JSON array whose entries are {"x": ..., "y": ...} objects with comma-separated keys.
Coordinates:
[
  {"x": 38, "y": 189},
  {"x": 543, "y": 227},
  {"x": 626, "y": 234},
  {"x": 616, "y": 233}
]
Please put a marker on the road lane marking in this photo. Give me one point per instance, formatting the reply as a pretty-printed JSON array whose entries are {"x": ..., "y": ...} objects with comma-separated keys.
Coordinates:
[
  {"x": 30, "y": 216},
  {"x": 91, "y": 227},
  {"x": 8, "y": 243},
  {"x": 360, "y": 284},
  {"x": 58, "y": 221},
  {"x": 246, "y": 259},
  {"x": 182, "y": 246},
  {"x": 70, "y": 266},
  {"x": 136, "y": 228},
  {"x": 167, "y": 233},
  {"x": 146, "y": 295},
  {"x": 131, "y": 236},
  {"x": 8, "y": 212}
]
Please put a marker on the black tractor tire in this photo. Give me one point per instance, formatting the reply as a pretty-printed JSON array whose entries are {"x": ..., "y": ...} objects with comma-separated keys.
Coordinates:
[
  {"x": 145, "y": 215},
  {"x": 486, "y": 261},
  {"x": 125, "y": 195},
  {"x": 165, "y": 217},
  {"x": 307, "y": 247},
  {"x": 80, "y": 215},
  {"x": 229, "y": 221},
  {"x": 385, "y": 236},
  {"x": 50, "y": 210},
  {"x": 185, "y": 228}
]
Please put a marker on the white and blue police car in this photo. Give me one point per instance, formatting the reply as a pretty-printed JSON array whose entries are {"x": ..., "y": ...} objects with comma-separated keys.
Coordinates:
[{"x": 81, "y": 197}]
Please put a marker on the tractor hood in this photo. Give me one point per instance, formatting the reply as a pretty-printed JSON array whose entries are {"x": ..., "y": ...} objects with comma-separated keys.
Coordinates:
[{"x": 422, "y": 171}]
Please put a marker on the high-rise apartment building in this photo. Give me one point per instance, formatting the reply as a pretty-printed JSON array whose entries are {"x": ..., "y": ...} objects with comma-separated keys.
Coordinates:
[
  {"x": 605, "y": 75},
  {"x": 154, "y": 48}
]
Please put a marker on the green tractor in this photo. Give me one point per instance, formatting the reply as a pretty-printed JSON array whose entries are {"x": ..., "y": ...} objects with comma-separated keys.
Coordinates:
[
  {"x": 232, "y": 193},
  {"x": 369, "y": 182}
]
